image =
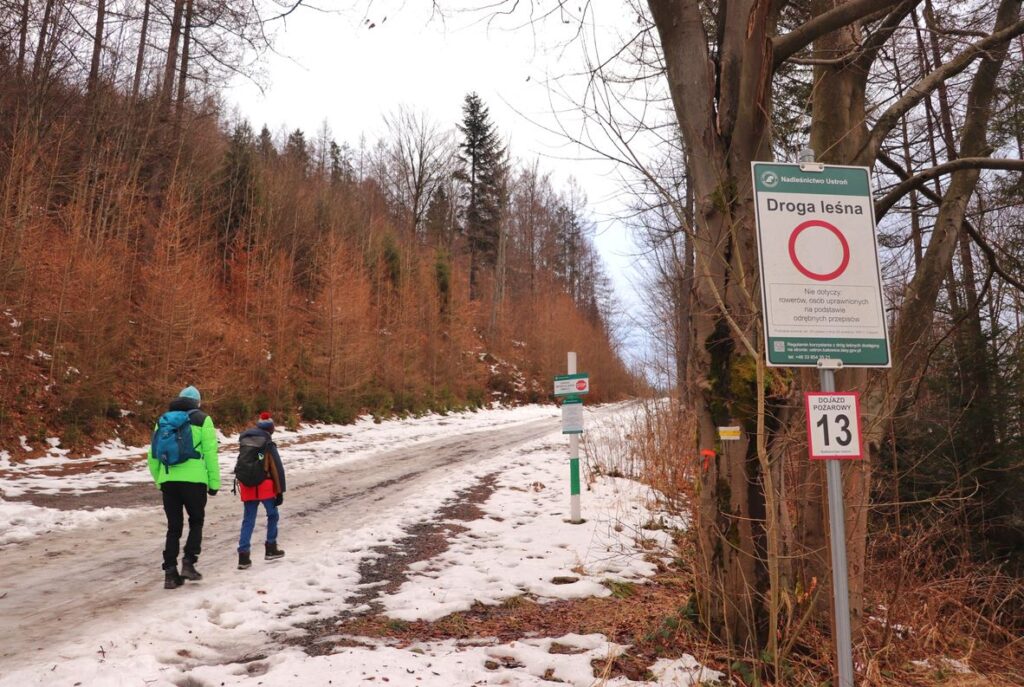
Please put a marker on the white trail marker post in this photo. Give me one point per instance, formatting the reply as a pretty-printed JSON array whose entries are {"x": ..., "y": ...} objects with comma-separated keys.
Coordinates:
[
  {"x": 821, "y": 290},
  {"x": 572, "y": 386}
]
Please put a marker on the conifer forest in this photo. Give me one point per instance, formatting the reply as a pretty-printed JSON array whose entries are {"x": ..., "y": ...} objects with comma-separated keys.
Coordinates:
[{"x": 154, "y": 235}]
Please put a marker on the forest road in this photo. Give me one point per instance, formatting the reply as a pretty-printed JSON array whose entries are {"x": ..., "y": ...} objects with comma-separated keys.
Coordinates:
[{"x": 52, "y": 586}]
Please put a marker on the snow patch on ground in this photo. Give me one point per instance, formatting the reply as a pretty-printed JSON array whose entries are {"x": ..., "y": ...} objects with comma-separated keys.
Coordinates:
[
  {"x": 525, "y": 543},
  {"x": 444, "y": 664},
  {"x": 23, "y": 521},
  {"x": 943, "y": 664},
  {"x": 684, "y": 672}
]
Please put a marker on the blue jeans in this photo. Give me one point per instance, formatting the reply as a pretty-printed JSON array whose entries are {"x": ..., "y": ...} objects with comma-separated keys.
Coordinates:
[{"x": 249, "y": 523}]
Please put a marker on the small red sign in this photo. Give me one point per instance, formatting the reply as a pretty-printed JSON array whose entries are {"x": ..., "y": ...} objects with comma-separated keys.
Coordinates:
[{"x": 581, "y": 385}]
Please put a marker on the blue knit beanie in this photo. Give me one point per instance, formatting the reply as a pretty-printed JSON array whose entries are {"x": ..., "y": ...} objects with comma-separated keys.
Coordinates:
[{"x": 190, "y": 392}]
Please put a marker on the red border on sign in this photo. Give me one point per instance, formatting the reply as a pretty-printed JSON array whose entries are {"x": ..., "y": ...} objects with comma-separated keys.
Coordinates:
[
  {"x": 807, "y": 415},
  {"x": 838, "y": 234}
]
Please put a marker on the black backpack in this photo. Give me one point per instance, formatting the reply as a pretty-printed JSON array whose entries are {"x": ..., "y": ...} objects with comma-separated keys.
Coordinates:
[{"x": 251, "y": 466}]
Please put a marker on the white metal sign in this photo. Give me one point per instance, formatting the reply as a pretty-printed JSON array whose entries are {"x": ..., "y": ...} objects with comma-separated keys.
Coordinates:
[
  {"x": 821, "y": 286},
  {"x": 833, "y": 425},
  {"x": 572, "y": 385},
  {"x": 572, "y": 416}
]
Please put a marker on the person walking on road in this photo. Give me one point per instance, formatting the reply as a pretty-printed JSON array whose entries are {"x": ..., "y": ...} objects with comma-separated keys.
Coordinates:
[
  {"x": 183, "y": 461},
  {"x": 260, "y": 475}
]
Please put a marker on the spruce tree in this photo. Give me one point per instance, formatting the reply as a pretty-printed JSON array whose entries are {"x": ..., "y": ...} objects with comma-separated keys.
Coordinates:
[
  {"x": 439, "y": 219},
  {"x": 481, "y": 171},
  {"x": 296, "y": 150},
  {"x": 340, "y": 161},
  {"x": 265, "y": 144},
  {"x": 239, "y": 190}
]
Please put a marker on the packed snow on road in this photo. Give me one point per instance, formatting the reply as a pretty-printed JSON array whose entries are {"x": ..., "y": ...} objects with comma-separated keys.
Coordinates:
[{"x": 81, "y": 587}]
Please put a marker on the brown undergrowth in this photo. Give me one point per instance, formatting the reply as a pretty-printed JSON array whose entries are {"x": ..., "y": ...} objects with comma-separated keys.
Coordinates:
[
  {"x": 645, "y": 617},
  {"x": 656, "y": 621},
  {"x": 931, "y": 613},
  {"x": 929, "y": 617}
]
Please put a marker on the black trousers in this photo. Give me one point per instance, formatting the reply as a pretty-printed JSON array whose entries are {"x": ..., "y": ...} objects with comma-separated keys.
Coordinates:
[{"x": 192, "y": 497}]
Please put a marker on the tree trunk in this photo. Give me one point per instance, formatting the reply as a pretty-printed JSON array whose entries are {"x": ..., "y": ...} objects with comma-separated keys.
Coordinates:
[
  {"x": 172, "y": 56},
  {"x": 500, "y": 269},
  {"x": 183, "y": 72},
  {"x": 22, "y": 38},
  {"x": 733, "y": 593},
  {"x": 683, "y": 291},
  {"x": 978, "y": 435},
  {"x": 97, "y": 47},
  {"x": 37, "y": 64},
  {"x": 681, "y": 285},
  {"x": 140, "y": 58}
]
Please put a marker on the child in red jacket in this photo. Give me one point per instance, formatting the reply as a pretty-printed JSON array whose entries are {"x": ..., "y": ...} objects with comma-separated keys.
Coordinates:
[{"x": 270, "y": 493}]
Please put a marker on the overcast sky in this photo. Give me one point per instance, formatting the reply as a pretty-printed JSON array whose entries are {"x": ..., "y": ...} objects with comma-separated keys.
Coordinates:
[{"x": 349, "y": 68}]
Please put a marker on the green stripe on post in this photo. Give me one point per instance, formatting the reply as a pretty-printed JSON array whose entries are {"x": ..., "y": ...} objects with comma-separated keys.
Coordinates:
[{"x": 574, "y": 476}]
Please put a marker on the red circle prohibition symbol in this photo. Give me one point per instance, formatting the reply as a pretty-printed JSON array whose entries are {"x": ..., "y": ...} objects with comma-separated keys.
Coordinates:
[{"x": 817, "y": 276}]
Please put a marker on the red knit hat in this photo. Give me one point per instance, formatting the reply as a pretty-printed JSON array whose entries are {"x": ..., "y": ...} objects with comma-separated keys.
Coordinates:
[{"x": 266, "y": 422}]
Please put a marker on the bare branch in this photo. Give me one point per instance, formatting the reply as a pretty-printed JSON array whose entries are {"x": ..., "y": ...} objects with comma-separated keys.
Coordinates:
[
  {"x": 930, "y": 82},
  {"x": 874, "y": 42},
  {"x": 291, "y": 8},
  {"x": 909, "y": 184},
  {"x": 787, "y": 45},
  {"x": 972, "y": 231}
]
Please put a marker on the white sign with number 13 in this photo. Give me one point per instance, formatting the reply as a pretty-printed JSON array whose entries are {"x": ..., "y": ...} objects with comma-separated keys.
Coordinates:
[{"x": 833, "y": 425}]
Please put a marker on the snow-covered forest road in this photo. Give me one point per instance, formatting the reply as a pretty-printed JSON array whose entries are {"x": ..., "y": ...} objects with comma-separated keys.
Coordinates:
[
  {"x": 416, "y": 519},
  {"x": 57, "y": 582}
]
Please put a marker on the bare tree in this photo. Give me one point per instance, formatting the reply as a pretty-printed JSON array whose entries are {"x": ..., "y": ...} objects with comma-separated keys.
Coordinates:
[{"x": 418, "y": 156}]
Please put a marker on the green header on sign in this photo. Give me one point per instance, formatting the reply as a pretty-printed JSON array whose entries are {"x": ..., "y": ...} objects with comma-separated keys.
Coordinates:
[
  {"x": 806, "y": 351},
  {"x": 562, "y": 378},
  {"x": 832, "y": 181},
  {"x": 571, "y": 400}
]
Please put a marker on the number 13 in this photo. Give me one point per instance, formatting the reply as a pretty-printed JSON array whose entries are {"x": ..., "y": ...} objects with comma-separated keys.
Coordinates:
[{"x": 845, "y": 436}]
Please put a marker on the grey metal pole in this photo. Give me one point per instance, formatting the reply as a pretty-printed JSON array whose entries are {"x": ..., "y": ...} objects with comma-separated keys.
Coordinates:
[{"x": 837, "y": 535}]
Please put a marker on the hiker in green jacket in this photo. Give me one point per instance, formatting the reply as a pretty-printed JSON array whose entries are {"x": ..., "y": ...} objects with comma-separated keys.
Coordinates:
[{"x": 183, "y": 461}]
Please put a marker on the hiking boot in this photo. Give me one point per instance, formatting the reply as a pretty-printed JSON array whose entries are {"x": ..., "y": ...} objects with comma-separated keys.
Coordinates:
[
  {"x": 244, "y": 562},
  {"x": 172, "y": 580},
  {"x": 189, "y": 572},
  {"x": 273, "y": 552}
]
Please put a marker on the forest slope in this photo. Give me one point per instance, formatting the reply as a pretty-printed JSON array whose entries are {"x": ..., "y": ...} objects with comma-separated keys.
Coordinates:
[{"x": 145, "y": 247}]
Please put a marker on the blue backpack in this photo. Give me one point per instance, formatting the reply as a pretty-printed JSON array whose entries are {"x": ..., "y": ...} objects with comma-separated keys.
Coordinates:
[{"x": 172, "y": 440}]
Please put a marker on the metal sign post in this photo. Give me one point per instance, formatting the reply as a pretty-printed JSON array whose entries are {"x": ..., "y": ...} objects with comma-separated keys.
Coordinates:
[{"x": 837, "y": 538}]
